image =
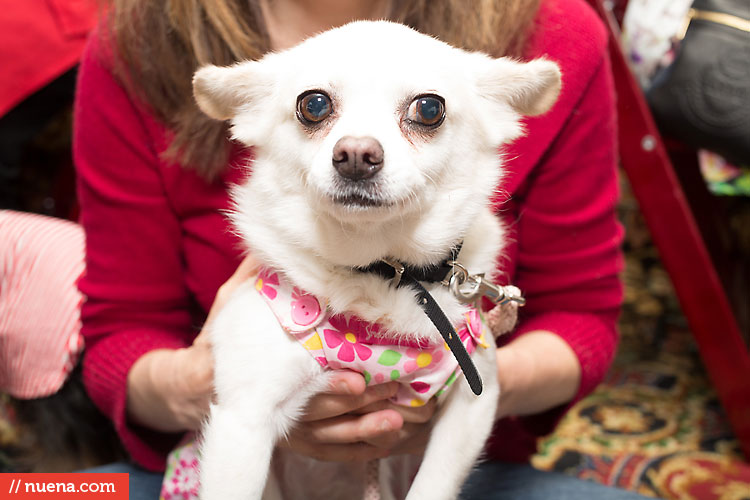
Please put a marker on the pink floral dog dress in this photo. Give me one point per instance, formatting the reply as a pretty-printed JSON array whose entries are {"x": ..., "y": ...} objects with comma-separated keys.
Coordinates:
[{"x": 343, "y": 341}]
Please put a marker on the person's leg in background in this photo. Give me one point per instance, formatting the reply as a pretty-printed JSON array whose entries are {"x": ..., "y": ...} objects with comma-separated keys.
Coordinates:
[
  {"x": 144, "y": 485},
  {"x": 507, "y": 481}
]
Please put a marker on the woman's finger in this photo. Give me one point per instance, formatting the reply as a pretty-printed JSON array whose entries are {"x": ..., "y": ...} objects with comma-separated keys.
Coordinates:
[
  {"x": 352, "y": 429},
  {"x": 418, "y": 414},
  {"x": 333, "y": 404},
  {"x": 411, "y": 438},
  {"x": 247, "y": 268}
]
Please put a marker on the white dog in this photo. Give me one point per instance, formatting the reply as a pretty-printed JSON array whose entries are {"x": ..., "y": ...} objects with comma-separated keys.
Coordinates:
[{"x": 372, "y": 142}]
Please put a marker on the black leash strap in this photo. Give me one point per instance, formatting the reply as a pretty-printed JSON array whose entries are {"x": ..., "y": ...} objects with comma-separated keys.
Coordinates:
[
  {"x": 444, "y": 326},
  {"x": 412, "y": 275}
]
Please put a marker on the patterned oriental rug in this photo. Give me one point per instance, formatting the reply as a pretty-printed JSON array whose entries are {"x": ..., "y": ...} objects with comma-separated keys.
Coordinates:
[{"x": 655, "y": 424}]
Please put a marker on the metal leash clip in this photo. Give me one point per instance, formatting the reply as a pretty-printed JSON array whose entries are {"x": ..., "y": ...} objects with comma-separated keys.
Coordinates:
[
  {"x": 467, "y": 288},
  {"x": 398, "y": 270}
]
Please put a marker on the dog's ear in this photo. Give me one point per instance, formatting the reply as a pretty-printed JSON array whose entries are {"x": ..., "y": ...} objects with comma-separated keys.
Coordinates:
[
  {"x": 530, "y": 88},
  {"x": 221, "y": 91}
]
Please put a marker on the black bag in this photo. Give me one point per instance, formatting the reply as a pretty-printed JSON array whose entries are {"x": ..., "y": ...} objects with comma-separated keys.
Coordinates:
[{"x": 703, "y": 97}]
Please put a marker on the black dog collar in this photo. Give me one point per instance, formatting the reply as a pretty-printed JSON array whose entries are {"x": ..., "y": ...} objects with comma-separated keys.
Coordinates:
[{"x": 411, "y": 276}]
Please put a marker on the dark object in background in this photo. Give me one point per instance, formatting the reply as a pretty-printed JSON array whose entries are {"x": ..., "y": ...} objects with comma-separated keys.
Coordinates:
[
  {"x": 63, "y": 432},
  {"x": 703, "y": 97},
  {"x": 36, "y": 164}
]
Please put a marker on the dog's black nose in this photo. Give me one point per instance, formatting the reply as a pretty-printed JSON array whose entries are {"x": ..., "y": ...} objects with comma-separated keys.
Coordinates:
[{"x": 357, "y": 158}]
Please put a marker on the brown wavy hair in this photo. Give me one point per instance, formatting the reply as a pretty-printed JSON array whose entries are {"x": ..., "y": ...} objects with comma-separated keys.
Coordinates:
[{"x": 160, "y": 44}]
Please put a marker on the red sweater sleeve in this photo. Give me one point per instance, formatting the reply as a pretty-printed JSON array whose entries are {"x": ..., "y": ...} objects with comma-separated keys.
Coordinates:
[
  {"x": 562, "y": 193},
  {"x": 134, "y": 282},
  {"x": 569, "y": 239}
]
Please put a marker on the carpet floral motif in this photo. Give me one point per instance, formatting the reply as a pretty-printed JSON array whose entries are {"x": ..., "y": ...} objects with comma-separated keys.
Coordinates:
[{"x": 655, "y": 424}]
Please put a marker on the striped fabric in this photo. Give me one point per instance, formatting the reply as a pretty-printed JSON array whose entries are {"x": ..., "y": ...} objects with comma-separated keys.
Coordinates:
[{"x": 41, "y": 258}]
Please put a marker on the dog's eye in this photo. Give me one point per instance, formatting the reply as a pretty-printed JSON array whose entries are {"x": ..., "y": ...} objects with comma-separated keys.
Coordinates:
[
  {"x": 313, "y": 107},
  {"x": 428, "y": 110}
]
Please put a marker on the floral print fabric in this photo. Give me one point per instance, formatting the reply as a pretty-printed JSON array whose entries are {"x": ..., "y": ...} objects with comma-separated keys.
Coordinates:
[
  {"x": 343, "y": 341},
  {"x": 181, "y": 478}
]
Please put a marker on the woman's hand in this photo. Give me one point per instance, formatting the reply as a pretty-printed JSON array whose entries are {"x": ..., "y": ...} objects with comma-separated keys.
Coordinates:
[
  {"x": 352, "y": 422},
  {"x": 170, "y": 390}
]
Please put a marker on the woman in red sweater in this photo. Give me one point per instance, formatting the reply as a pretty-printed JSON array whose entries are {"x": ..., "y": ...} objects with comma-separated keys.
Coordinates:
[{"x": 153, "y": 175}]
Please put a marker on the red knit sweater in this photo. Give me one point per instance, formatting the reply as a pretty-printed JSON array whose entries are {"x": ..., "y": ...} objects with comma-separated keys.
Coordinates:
[{"x": 158, "y": 247}]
